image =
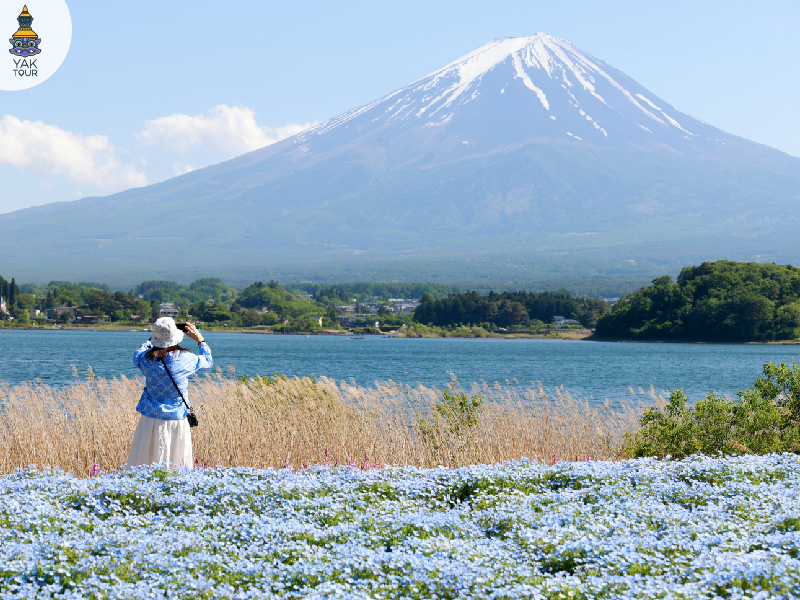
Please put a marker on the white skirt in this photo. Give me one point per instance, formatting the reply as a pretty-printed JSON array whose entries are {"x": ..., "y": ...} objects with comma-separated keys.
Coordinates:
[{"x": 157, "y": 441}]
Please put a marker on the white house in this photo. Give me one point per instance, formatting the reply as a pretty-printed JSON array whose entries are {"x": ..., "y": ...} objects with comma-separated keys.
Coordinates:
[{"x": 562, "y": 322}]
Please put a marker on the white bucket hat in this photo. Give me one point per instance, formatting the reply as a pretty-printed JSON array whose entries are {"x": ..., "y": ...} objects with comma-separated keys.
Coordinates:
[{"x": 166, "y": 333}]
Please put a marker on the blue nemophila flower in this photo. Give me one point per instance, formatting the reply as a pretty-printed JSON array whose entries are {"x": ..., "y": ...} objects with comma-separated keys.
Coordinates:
[{"x": 699, "y": 528}]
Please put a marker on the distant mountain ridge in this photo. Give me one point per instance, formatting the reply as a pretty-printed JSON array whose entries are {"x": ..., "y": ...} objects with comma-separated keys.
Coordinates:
[{"x": 525, "y": 153}]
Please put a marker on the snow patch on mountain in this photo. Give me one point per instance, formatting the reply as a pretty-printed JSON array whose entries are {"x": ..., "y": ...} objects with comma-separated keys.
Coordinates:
[
  {"x": 648, "y": 101},
  {"x": 520, "y": 72}
]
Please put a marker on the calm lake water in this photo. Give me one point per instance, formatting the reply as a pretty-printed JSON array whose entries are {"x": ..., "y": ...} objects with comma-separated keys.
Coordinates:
[{"x": 596, "y": 370}]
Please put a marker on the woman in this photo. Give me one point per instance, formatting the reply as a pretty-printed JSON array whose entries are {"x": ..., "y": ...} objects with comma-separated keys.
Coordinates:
[{"x": 163, "y": 435}]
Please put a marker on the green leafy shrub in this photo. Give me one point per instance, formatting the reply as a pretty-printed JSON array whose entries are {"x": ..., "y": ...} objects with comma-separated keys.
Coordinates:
[
  {"x": 765, "y": 418},
  {"x": 449, "y": 430}
]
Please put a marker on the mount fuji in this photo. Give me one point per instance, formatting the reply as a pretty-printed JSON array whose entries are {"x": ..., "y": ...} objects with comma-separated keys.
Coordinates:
[{"x": 525, "y": 153}]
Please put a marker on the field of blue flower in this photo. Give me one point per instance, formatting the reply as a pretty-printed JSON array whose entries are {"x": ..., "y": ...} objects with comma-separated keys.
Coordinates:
[{"x": 696, "y": 528}]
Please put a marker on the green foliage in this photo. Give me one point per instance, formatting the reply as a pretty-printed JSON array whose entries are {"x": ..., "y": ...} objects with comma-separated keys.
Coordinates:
[
  {"x": 459, "y": 411},
  {"x": 789, "y": 524},
  {"x": 9, "y": 290},
  {"x": 563, "y": 560},
  {"x": 766, "y": 418},
  {"x": 216, "y": 312},
  {"x": 468, "y": 332},
  {"x": 251, "y": 318},
  {"x": 259, "y": 380},
  {"x": 269, "y": 318},
  {"x": 26, "y": 300},
  {"x": 88, "y": 298},
  {"x": 366, "y": 330},
  {"x": 281, "y": 304},
  {"x": 207, "y": 288},
  {"x": 508, "y": 309},
  {"x": 450, "y": 429},
  {"x": 781, "y": 384},
  {"x": 344, "y": 293},
  {"x": 269, "y": 295},
  {"x": 21, "y": 317},
  {"x": 722, "y": 300}
]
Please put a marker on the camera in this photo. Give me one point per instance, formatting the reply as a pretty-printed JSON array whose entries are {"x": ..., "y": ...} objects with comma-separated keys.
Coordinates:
[{"x": 181, "y": 326}]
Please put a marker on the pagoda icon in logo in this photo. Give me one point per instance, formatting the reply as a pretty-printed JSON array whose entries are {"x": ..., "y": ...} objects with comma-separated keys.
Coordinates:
[{"x": 25, "y": 42}]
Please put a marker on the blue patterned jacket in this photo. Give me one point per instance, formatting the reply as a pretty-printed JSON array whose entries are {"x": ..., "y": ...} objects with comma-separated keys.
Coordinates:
[{"x": 160, "y": 399}]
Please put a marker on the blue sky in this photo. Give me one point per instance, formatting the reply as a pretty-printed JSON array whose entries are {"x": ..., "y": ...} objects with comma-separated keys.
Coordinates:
[{"x": 152, "y": 89}]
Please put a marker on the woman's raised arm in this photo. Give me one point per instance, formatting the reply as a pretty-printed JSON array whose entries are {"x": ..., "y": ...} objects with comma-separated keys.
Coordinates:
[{"x": 138, "y": 356}]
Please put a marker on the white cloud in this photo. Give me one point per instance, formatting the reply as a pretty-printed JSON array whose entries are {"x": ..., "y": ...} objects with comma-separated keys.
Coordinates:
[
  {"x": 41, "y": 163},
  {"x": 50, "y": 150},
  {"x": 180, "y": 169},
  {"x": 228, "y": 131}
]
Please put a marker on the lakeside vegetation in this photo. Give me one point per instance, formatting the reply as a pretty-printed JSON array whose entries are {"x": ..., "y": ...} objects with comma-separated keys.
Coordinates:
[
  {"x": 720, "y": 300},
  {"x": 275, "y": 421},
  {"x": 272, "y": 307},
  {"x": 508, "y": 309},
  {"x": 723, "y": 300}
]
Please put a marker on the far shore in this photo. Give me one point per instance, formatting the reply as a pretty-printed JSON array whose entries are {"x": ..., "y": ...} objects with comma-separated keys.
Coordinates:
[
  {"x": 563, "y": 334},
  {"x": 556, "y": 335}
]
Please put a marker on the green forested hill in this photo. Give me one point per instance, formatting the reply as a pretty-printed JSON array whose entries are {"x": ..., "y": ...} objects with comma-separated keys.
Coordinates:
[
  {"x": 507, "y": 309},
  {"x": 721, "y": 300}
]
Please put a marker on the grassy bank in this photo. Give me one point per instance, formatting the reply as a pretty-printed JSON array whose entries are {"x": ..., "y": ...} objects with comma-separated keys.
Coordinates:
[{"x": 277, "y": 422}]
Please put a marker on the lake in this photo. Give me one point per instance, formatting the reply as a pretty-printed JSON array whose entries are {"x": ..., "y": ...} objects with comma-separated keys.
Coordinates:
[{"x": 596, "y": 370}]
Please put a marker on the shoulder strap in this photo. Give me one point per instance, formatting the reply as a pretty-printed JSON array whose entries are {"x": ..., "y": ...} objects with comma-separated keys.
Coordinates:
[{"x": 189, "y": 408}]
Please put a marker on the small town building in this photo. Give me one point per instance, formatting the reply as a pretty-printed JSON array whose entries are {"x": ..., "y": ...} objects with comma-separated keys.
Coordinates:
[
  {"x": 559, "y": 321},
  {"x": 55, "y": 312},
  {"x": 347, "y": 322}
]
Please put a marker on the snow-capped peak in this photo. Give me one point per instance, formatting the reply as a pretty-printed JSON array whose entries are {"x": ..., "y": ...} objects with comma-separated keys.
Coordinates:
[{"x": 545, "y": 82}]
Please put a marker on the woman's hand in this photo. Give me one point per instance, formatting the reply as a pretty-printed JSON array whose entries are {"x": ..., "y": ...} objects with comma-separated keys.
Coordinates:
[{"x": 192, "y": 332}]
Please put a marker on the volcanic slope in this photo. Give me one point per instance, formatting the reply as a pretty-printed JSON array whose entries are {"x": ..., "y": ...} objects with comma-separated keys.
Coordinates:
[{"x": 525, "y": 147}]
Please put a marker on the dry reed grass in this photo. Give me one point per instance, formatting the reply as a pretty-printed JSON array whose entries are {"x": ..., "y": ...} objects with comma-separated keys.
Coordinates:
[{"x": 295, "y": 422}]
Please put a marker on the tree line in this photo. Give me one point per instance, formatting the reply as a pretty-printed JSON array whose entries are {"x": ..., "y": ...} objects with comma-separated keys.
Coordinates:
[
  {"x": 508, "y": 309},
  {"x": 722, "y": 300},
  {"x": 82, "y": 299},
  {"x": 344, "y": 293},
  {"x": 207, "y": 288},
  {"x": 9, "y": 290}
]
